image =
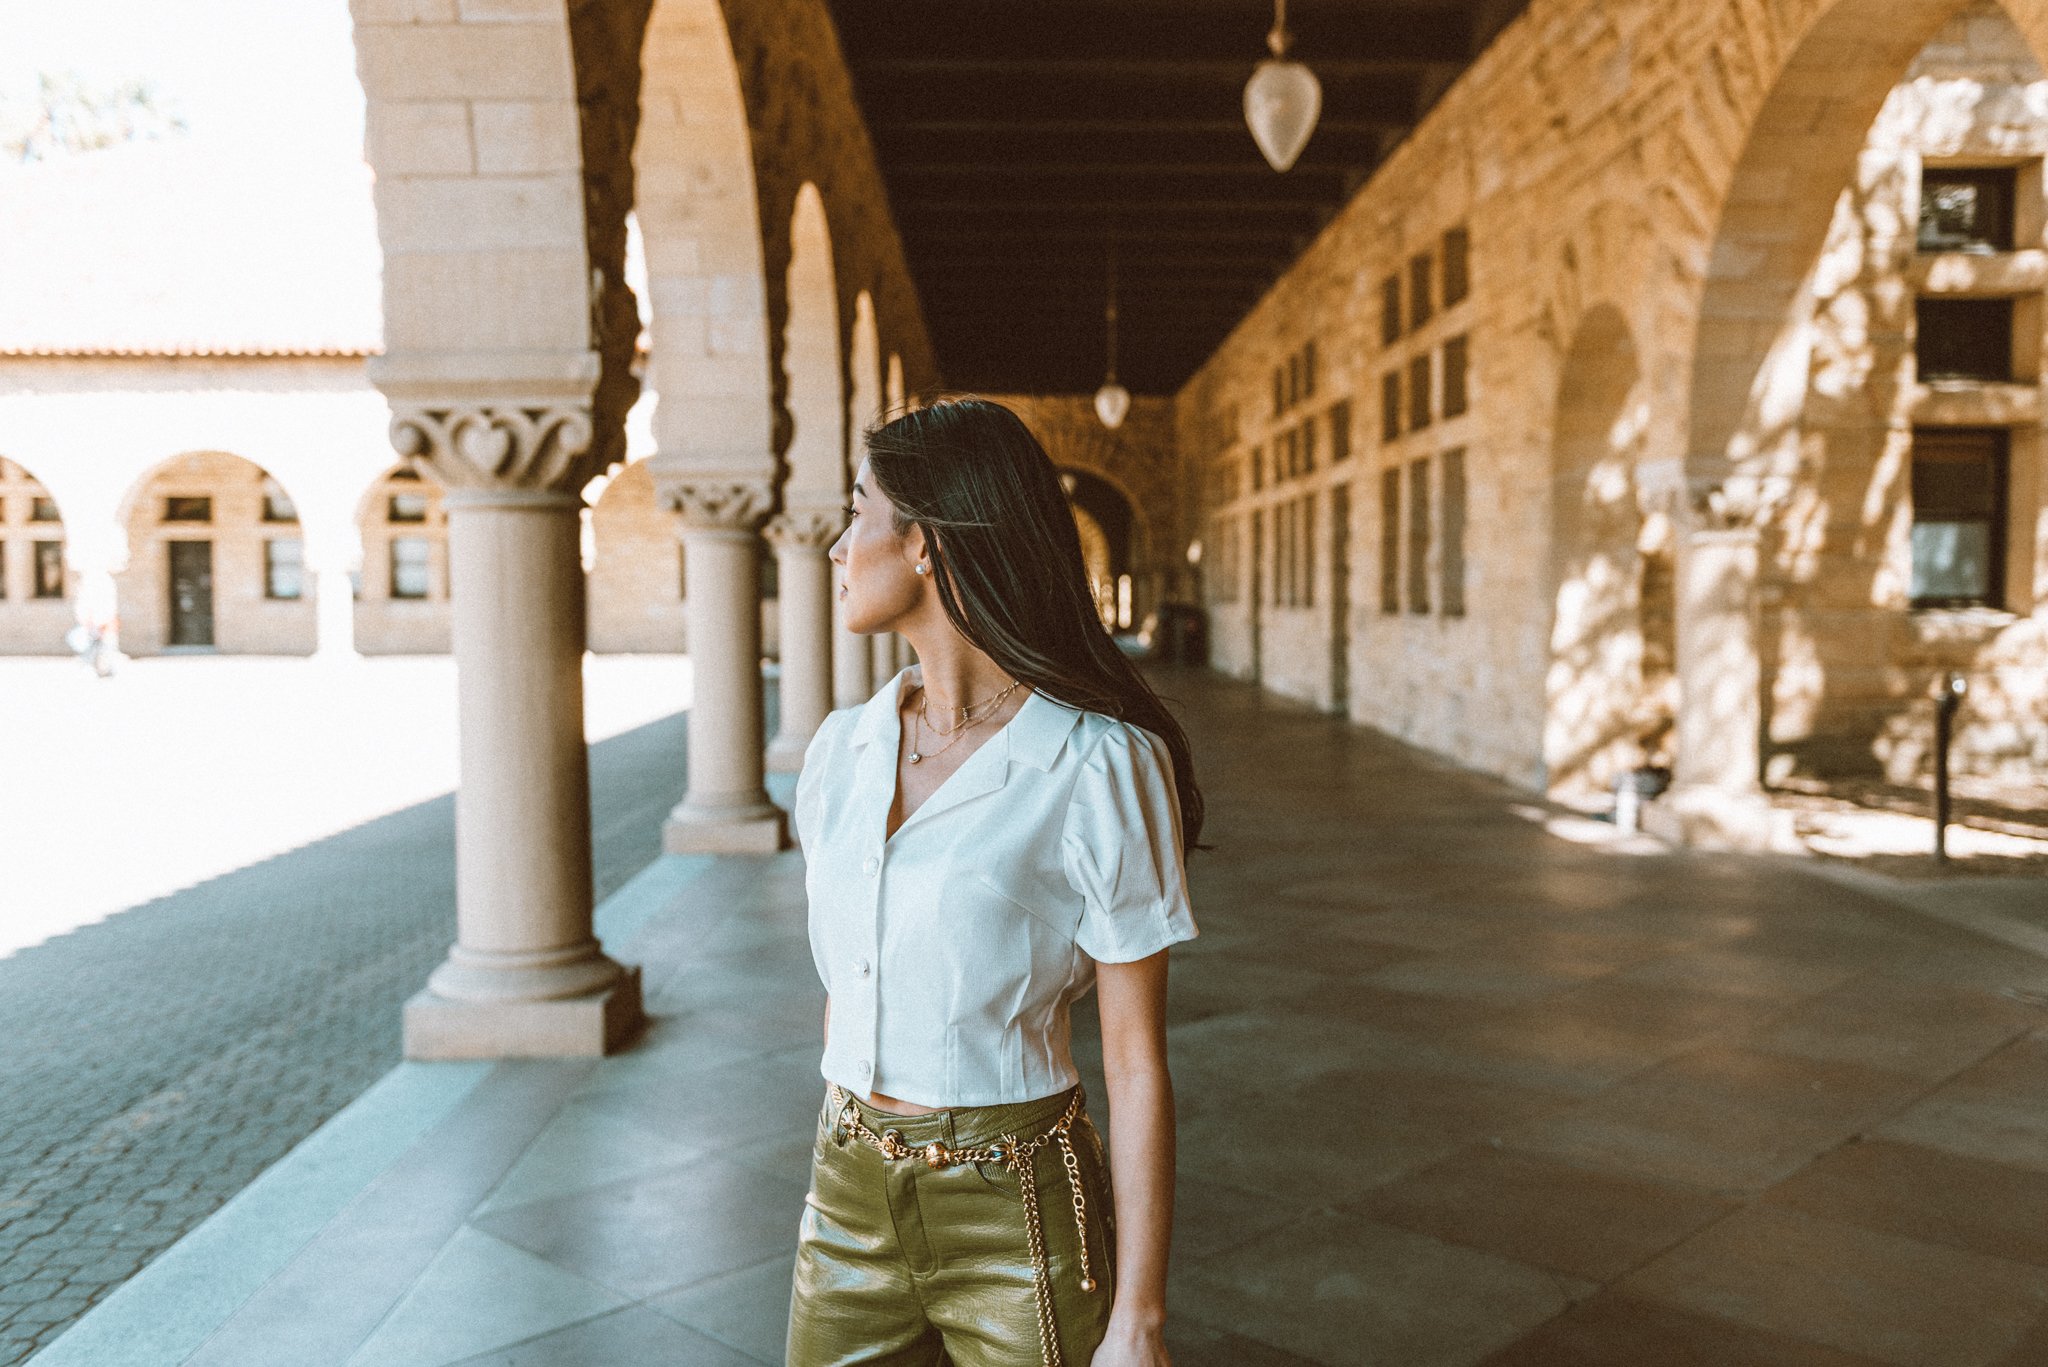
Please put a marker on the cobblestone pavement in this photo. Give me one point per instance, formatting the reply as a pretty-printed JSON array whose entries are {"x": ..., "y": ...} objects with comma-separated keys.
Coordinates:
[{"x": 156, "y": 1062}]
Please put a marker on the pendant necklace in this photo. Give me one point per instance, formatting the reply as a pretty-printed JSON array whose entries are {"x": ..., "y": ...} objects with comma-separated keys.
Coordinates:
[{"x": 968, "y": 720}]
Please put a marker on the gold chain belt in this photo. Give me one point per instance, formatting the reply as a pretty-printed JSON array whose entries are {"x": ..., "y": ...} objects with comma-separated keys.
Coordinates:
[{"x": 1015, "y": 1155}]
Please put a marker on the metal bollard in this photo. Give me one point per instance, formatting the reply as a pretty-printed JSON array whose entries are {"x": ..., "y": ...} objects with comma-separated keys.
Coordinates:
[{"x": 1948, "y": 696}]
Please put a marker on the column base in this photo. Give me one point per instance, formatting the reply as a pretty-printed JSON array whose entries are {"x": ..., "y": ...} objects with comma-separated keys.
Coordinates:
[
  {"x": 786, "y": 754},
  {"x": 588, "y": 1026},
  {"x": 1708, "y": 818},
  {"x": 762, "y": 829}
]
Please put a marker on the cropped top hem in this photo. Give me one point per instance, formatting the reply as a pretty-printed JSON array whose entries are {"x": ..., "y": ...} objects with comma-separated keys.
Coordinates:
[{"x": 942, "y": 1103}]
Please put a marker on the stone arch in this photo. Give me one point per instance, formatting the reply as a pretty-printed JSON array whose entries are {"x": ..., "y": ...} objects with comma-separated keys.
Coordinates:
[
  {"x": 501, "y": 142},
  {"x": 1804, "y": 122},
  {"x": 1787, "y": 447},
  {"x": 402, "y": 587},
  {"x": 864, "y": 384},
  {"x": 814, "y": 383},
  {"x": 35, "y": 607},
  {"x": 247, "y": 592},
  {"x": 1097, "y": 556},
  {"x": 1594, "y": 719},
  {"x": 1109, "y": 523},
  {"x": 701, "y": 221}
]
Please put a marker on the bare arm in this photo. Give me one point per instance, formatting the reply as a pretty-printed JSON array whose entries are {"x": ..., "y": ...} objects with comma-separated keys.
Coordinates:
[{"x": 1132, "y": 997}]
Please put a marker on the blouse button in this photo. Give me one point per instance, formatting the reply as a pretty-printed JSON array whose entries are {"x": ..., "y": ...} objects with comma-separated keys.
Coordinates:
[
  {"x": 870, "y": 866},
  {"x": 862, "y": 967}
]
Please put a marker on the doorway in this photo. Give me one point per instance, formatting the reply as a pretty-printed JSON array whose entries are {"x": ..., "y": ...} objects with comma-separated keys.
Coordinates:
[
  {"x": 1340, "y": 599},
  {"x": 191, "y": 593},
  {"x": 1258, "y": 590}
]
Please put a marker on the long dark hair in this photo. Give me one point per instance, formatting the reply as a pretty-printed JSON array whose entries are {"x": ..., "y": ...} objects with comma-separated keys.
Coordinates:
[{"x": 1006, "y": 557}]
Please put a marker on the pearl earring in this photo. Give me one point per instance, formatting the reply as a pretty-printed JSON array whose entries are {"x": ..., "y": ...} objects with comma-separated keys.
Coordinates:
[{"x": 923, "y": 569}]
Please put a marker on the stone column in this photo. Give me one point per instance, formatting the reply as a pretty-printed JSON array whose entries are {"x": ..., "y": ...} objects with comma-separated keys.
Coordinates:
[
  {"x": 526, "y": 976},
  {"x": 334, "y": 603},
  {"x": 800, "y": 540},
  {"x": 1717, "y": 799},
  {"x": 726, "y": 809}
]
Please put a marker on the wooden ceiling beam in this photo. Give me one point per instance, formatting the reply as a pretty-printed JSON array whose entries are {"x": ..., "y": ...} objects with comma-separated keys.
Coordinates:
[{"x": 1161, "y": 32}]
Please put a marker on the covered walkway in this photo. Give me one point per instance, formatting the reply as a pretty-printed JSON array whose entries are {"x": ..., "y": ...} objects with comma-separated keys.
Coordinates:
[{"x": 1461, "y": 1080}]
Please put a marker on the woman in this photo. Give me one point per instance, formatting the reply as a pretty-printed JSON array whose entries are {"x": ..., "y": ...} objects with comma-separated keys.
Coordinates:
[{"x": 998, "y": 828}]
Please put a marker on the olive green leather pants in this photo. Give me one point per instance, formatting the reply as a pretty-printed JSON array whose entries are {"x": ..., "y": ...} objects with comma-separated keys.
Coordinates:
[{"x": 902, "y": 1265}]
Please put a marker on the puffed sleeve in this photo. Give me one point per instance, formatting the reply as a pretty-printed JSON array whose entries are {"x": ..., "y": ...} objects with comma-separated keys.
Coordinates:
[
  {"x": 1122, "y": 849},
  {"x": 810, "y": 780}
]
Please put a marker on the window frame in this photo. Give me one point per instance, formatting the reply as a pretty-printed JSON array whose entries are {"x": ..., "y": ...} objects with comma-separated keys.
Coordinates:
[
  {"x": 42, "y": 588},
  {"x": 1421, "y": 402},
  {"x": 1996, "y": 520},
  {"x": 1418, "y": 536},
  {"x": 1391, "y": 512},
  {"x": 1959, "y": 325},
  {"x": 1453, "y": 517},
  {"x": 426, "y": 565},
  {"x": 1457, "y": 282},
  {"x": 1457, "y": 395},
  {"x": 1421, "y": 281},
  {"x": 271, "y": 565},
  {"x": 2007, "y": 181}
]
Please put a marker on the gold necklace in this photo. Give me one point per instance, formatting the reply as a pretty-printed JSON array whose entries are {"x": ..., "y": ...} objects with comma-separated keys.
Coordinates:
[
  {"x": 969, "y": 708},
  {"x": 918, "y": 754},
  {"x": 967, "y": 717}
]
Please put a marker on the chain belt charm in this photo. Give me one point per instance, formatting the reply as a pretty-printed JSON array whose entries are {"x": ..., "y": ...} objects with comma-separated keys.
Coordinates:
[{"x": 1016, "y": 1155}]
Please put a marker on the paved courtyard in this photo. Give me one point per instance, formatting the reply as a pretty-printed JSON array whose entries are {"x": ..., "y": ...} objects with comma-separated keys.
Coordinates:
[
  {"x": 1454, "y": 1089},
  {"x": 157, "y": 1061}
]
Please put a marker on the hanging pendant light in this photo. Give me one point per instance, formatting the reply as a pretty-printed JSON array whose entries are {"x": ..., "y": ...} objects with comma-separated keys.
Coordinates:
[
  {"x": 1282, "y": 99},
  {"x": 1112, "y": 401}
]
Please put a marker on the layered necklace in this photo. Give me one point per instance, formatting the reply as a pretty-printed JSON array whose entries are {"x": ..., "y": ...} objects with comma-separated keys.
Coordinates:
[{"x": 966, "y": 719}]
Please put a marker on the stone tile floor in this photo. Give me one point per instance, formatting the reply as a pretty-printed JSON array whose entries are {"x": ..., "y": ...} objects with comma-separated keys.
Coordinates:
[
  {"x": 153, "y": 1063},
  {"x": 1453, "y": 1090}
]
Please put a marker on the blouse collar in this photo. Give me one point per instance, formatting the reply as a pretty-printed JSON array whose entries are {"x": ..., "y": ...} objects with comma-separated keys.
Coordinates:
[{"x": 1034, "y": 736}]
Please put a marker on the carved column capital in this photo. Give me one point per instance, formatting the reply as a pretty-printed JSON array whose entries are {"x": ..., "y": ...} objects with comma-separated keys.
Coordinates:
[
  {"x": 483, "y": 445},
  {"x": 722, "y": 505},
  {"x": 809, "y": 528}
]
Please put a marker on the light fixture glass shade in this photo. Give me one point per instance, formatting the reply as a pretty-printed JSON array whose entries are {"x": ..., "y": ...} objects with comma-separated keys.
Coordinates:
[
  {"x": 1281, "y": 103},
  {"x": 1112, "y": 403}
]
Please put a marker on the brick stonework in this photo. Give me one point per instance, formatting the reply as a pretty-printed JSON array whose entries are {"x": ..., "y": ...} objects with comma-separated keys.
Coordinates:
[
  {"x": 245, "y": 620},
  {"x": 386, "y": 624},
  {"x": 636, "y": 573},
  {"x": 1647, "y": 190}
]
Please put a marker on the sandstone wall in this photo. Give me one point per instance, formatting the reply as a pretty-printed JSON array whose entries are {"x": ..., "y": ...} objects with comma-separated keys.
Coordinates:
[
  {"x": 29, "y": 624},
  {"x": 245, "y": 619},
  {"x": 1644, "y": 186}
]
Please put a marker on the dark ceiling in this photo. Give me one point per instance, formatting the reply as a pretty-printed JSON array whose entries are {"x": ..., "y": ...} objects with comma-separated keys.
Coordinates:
[{"x": 1016, "y": 135}]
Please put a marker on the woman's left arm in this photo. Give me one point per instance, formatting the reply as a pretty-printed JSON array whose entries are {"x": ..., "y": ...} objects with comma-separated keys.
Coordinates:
[{"x": 1132, "y": 997}]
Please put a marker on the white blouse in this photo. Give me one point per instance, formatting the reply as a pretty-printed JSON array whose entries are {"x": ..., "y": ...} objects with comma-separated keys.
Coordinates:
[{"x": 953, "y": 949}]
